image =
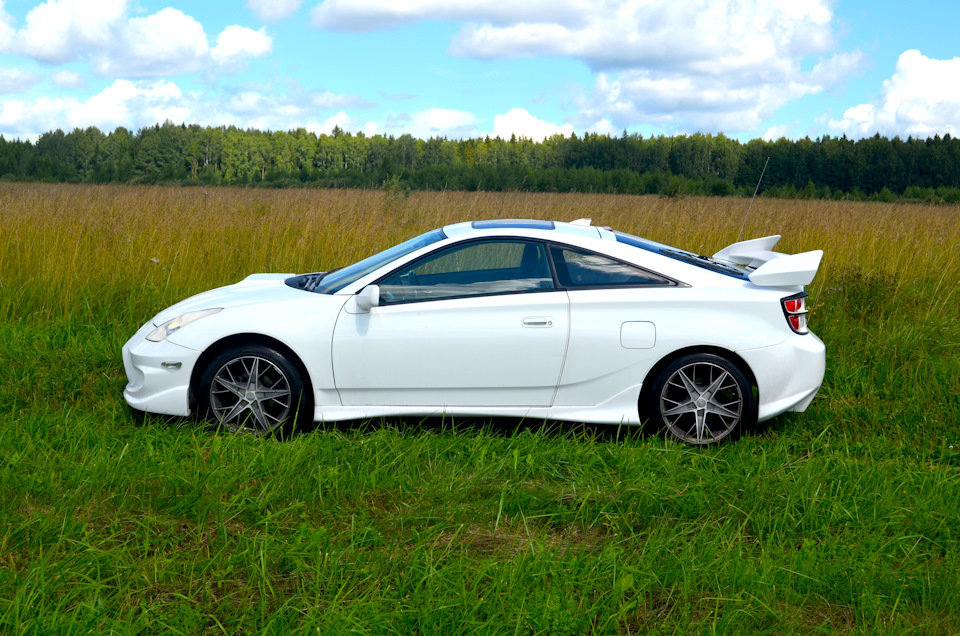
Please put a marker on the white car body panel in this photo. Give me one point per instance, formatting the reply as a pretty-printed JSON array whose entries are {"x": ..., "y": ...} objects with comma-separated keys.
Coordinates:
[
  {"x": 475, "y": 356},
  {"x": 486, "y": 351},
  {"x": 598, "y": 363}
]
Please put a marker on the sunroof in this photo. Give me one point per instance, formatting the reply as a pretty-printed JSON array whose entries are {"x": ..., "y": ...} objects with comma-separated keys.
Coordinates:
[{"x": 506, "y": 224}]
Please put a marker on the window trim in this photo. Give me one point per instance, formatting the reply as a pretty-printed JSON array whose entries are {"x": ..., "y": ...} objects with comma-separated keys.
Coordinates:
[
  {"x": 460, "y": 244},
  {"x": 547, "y": 245},
  {"x": 670, "y": 282}
]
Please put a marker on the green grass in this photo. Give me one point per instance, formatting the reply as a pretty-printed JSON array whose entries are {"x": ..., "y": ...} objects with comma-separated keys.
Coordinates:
[{"x": 842, "y": 519}]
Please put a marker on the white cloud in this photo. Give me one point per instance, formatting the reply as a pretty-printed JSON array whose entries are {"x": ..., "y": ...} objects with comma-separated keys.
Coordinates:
[
  {"x": 921, "y": 99},
  {"x": 24, "y": 119},
  {"x": 519, "y": 122},
  {"x": 274, "y": 10},
  {"x": 168, "y": 42},
  {"x": 369, "y": 15},
  {"x": 68, "y": 79},
  {"x": 7, "y": 30},
  {"x": 143, "y": 103},
  {"x": 604, "y": 127},
  {"x": 164, "y": 43},
  {"x": 236, "y": 44},
  {"x": 683, "y": 64},
  {"x": 15, "y": 80},
  {"x": 57, "y": 29},
  {"x": 679, "y": 101},
  {"x": 341, "y": 120},
  {"x": 124, "y": 103},
  {"x": 327, "y": 99},
  {"x": 435, "y": 122},
  {"x": 777, "y": 131}
]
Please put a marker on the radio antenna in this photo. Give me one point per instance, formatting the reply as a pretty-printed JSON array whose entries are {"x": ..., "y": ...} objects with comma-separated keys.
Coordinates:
[{"x": 744, "y": 224}]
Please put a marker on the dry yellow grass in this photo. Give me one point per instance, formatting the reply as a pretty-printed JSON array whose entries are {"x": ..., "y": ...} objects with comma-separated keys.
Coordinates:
[{"x": 68, "y": 244}]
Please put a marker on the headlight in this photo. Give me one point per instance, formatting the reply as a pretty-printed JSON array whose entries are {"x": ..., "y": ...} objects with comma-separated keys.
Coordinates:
[{"x": 171, "y": 326}]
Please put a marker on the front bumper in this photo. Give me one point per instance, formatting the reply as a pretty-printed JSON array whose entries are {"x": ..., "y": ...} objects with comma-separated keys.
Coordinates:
[
  {"x": 788, "y": 374},
  {"x": 158, "y": 374}
]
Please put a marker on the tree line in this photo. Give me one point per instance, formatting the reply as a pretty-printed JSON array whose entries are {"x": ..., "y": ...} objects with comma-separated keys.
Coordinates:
[{"x": 826, "y": 167}]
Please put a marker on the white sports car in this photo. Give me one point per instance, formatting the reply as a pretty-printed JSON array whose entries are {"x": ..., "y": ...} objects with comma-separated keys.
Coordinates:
[{"x": 531, "y": 319}]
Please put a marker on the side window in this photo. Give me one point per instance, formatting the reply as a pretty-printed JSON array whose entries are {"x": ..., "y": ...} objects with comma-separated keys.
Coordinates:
[
  {"x": 579, "y": 268},
  {"x": 474, "y": 269}
]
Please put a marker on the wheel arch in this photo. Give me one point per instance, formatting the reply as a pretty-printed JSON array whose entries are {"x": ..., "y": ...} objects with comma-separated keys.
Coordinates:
[
  {"x": 237, "y": 340},
  {"x": 664, "y": 362}
]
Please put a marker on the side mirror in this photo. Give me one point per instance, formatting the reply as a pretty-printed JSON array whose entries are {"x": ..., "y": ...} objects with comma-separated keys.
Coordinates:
[{"x": 368, "y": 298}]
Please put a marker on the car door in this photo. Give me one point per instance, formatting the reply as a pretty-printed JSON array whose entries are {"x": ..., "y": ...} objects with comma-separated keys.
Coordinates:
[{"x": 479, "y": 323}]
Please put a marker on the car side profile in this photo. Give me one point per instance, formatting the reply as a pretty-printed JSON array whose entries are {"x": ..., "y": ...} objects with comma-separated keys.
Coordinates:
[{"x": 518, "y": 318}]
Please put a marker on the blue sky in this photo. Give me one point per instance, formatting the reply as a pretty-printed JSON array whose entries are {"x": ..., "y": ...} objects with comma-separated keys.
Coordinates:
[{"x": 746, "y": 68}]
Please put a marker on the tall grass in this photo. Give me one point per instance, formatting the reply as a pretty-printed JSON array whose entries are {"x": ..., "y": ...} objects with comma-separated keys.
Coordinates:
[{"x": 841, "y": 519}]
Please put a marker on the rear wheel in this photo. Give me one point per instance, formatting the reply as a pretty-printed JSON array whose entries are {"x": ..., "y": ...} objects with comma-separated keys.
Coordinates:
[
  {"x": 254, "y": 389},
  {"x": 701, "y": 399}
]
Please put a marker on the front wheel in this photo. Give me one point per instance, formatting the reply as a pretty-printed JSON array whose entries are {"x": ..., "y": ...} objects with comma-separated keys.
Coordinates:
[
  {"x": 701, "y": 399},
  {"x": 253, "y": 389}
]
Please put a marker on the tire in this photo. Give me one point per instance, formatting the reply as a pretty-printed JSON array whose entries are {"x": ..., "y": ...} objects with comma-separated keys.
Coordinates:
[
  {"x": 701, "y": 399},
  {"x": 254, "y": 389}
]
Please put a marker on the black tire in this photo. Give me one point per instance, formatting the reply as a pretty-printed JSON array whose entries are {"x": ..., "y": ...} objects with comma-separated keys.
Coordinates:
[
  {"x": 701, "y": 399},
  {"x": 254, "y": 389}
]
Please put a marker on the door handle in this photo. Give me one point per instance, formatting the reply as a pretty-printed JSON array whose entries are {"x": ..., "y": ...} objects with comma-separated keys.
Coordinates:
[{"x": 537, "y": 321}]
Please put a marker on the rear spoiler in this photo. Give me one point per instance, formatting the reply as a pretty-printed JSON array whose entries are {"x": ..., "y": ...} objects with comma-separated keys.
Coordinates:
[{"x": 772, "y": 269}]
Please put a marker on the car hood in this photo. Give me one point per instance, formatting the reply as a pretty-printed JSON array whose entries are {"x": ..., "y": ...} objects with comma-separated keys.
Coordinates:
[{"x": 254, "y": 289}]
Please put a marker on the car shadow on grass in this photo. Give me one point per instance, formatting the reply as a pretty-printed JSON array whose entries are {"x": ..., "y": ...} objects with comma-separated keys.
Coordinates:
[
  {"x": 501, "y": 426},
  {"x": 505, "y": 427}
]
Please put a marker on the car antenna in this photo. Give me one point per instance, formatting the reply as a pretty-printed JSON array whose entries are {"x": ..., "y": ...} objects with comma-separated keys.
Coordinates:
[{"x": 744, "y": 224}]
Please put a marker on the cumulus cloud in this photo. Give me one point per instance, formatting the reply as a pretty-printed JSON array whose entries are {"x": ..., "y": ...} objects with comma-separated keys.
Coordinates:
[
  {"x": 123, "y": 103},
  {"x": 57, "y": 29},
  {"x": 435, "y": 122},
  {"x": 517, "y": 121},
  {"x": 341, "y": 120},
  {"x": 68, "y": 79},
  {"x": 921, "y": 99},
  {"x": 679, "y": 63},
  {"x": 237, "y": 44},
  {"x": 274, "y": 10},
  {"x": 15, "y": 80},
  {"x": 132, "y": 105},
  {"x": 168, "y": 42},
  {"x": 7, "y": 30},
  {"x": 326, "y": 99},
  {"x": 777, "y": 131},
  {"x": 164, "y": 43},
  {"x": 135, "y": 105},
  {"x": 369, "y": 15}
]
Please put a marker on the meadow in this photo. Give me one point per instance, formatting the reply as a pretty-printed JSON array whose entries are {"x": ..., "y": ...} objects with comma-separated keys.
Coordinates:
[{"x": 842, "y": 519}]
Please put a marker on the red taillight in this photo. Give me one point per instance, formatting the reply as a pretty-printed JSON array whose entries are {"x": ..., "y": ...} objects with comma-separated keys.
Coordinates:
[{"x": 795, "y": 310}]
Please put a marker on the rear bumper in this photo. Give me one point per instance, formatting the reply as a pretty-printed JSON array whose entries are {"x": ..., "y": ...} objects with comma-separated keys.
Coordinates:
[
  {"x": 155, "y": 384},
  {"x": 788, "y": 374}
]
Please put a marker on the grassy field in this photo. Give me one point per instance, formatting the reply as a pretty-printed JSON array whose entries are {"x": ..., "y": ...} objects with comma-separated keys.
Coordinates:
[{"x": 843, "y": 519}]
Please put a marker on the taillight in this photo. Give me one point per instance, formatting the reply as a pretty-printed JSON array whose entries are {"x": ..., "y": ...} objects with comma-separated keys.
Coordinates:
[{"x": 795, "y": 310}]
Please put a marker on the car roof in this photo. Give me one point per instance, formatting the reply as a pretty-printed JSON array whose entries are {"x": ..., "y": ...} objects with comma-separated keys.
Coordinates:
[{"x": 580, "y": 227}]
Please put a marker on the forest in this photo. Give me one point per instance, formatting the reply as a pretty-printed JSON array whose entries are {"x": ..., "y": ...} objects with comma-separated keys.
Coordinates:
[{"x": 873, "y": 168}]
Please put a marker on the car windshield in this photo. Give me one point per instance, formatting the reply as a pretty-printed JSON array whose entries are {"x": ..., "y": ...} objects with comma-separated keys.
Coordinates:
[
  {"x": 681, "y": 255},
  {"x": 337, "y": 279}
]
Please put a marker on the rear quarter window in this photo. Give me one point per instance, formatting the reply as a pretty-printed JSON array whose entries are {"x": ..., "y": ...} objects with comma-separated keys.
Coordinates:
[{"x": 581, "y": 268}]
